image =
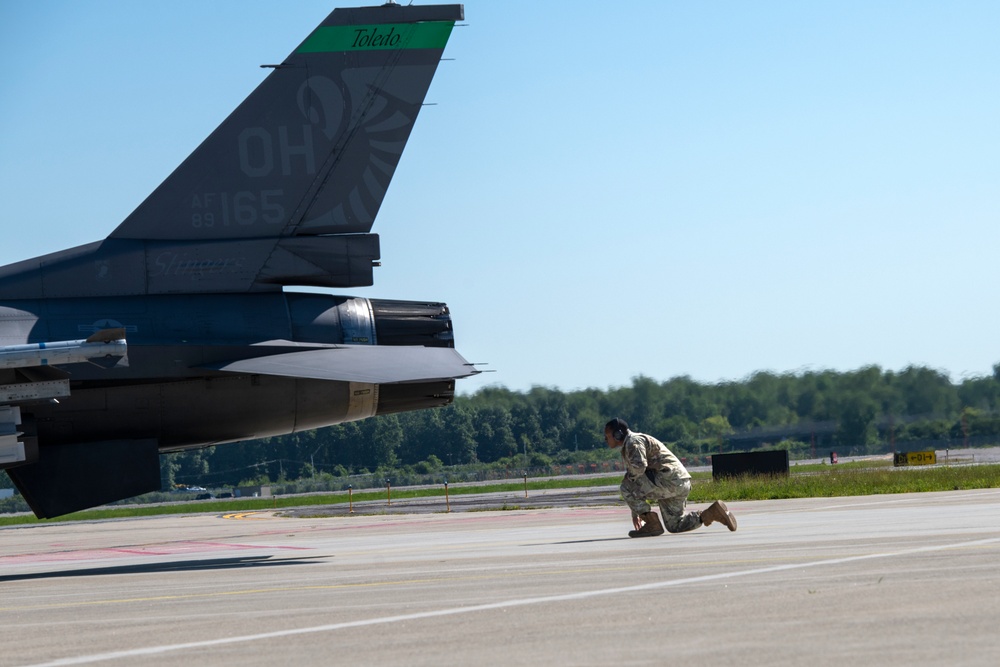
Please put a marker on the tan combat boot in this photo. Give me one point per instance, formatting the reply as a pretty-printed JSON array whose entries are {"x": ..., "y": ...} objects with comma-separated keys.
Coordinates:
[
  {"x": 718, "y": 511},
  {"x": 651, "y": 526}
]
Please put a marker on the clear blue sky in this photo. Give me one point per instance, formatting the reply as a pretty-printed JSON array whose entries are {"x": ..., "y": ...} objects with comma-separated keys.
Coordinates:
[{"x": 604, "y": 189}]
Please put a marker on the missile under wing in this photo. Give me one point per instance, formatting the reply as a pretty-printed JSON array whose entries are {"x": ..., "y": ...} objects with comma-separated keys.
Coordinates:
[{"x": 193, "y": 283}]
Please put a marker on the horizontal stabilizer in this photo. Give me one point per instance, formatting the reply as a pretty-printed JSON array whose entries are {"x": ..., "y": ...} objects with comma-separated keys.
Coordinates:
[{"x": 376, "y": 364}]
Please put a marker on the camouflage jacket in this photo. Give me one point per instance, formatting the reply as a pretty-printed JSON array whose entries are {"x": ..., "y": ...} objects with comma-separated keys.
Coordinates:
[{"x": 642, "y": 452}]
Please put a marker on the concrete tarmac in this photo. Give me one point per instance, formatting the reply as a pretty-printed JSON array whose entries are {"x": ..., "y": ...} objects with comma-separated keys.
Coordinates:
[{"x": 889, "y": 580}]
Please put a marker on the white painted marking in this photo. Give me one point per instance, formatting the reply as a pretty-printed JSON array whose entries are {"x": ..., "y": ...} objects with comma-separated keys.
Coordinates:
[{"x": 156, "y": 650}]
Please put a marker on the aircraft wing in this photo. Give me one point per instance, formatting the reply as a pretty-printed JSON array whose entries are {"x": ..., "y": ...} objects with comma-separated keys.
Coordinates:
[{"x": 376, "y": 364}]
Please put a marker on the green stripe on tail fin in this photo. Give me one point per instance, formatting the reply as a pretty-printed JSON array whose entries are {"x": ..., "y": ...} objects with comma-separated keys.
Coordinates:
[{"x": 336, "y": 38}]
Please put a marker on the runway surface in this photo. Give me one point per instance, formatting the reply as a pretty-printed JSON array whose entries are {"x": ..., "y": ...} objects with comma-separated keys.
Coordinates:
[{"x": 889, "y": 580}]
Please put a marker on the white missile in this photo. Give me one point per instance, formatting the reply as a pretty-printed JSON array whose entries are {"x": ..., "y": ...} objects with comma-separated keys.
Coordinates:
[{"x": 106, "y": 348}]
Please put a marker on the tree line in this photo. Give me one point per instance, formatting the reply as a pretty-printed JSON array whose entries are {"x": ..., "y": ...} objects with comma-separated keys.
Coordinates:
[{"x": 866, "y": 411}]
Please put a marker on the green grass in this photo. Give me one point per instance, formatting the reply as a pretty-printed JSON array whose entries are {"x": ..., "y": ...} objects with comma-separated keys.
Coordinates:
[
  {"x": 805, "y": 482},
  {"x": 849, "y": 482},
  {"x": 278, "y": 502}
]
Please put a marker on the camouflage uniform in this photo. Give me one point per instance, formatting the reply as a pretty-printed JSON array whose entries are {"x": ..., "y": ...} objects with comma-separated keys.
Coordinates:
[{"x": 652, "y": 472}]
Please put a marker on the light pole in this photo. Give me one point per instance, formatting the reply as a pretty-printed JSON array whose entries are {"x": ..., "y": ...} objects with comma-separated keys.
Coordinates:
[{"x": 313, "y": 462}]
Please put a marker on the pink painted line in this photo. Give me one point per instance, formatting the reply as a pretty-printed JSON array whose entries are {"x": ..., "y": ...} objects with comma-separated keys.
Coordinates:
[{"x": 121, "y": 552}]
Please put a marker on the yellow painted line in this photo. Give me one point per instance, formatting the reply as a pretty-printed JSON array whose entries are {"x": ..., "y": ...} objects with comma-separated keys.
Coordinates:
[
  {"x": 195, "y": 596},
  {"x": 246, "y": 515}
]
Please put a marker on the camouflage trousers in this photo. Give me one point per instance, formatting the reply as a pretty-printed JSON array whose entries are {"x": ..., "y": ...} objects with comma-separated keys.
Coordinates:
[{"x": 668, "y": 492}]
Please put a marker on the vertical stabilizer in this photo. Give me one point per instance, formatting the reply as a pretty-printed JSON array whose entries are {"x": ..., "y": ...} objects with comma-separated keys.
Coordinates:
[{"x": 313, "y": 148}]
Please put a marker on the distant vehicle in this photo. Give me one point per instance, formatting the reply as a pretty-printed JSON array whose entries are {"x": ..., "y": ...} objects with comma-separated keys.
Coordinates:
[
  {"x": 196, "y": 488},
  {"x": 225, "y": 495},
  {"x": 203, "y": 496}
]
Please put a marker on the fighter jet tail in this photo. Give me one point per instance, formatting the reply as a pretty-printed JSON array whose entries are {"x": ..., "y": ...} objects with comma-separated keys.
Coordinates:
[
  {"x": 285, "y": 190},
  {"x": 283, "y": 193}
]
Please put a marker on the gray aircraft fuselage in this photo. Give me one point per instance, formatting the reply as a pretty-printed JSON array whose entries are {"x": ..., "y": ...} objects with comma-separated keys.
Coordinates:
[{"x": 168, "y": 391}]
